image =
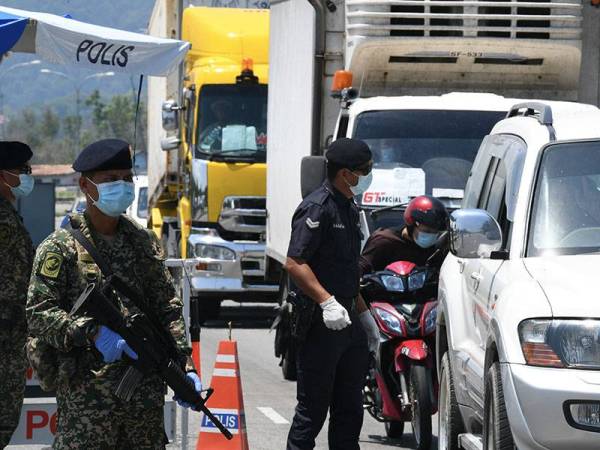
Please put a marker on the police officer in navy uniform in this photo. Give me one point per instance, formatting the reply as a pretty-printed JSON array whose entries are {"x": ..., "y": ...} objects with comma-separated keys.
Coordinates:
[{"x": 322, "y": 262}]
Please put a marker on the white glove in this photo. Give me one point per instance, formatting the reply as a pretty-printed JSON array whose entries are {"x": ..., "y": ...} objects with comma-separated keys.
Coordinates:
[
  {"x": 335, "y": 315},
  {"x": 371, "y": 329}
]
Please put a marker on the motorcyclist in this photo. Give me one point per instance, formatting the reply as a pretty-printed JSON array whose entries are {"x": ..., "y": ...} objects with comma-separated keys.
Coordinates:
[{"x": 425, "y": 219}]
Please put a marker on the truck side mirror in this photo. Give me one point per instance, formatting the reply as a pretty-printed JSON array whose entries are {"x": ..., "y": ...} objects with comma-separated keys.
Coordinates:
[
  {"x": 474, "y": 233},
  {"x": 170, "y": 143},
  {"x": 170, "y": 115},
  {"x": 313, "y": 171}
]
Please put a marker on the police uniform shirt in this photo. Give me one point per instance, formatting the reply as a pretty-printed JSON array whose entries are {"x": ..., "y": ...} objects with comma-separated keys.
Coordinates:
[{"x": 326, "y": 234}]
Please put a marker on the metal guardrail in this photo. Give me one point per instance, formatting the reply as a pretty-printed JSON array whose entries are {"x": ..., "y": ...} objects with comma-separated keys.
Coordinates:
[
  {"x": 185, "y": 283},
  {"x": 560, "y": 20}
]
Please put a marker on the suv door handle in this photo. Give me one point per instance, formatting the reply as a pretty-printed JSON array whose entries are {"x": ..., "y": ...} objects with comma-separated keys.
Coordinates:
[{"x": 477, "y": 276}]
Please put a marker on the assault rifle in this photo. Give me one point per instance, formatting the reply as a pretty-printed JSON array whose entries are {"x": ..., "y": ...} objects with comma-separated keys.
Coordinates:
[{"x": 153, "y": 345}]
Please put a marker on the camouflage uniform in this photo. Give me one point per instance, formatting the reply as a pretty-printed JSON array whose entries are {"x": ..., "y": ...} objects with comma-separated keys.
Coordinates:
[
  {"x": 16, "y": 257},
  {"x": 90, "y": 416}
]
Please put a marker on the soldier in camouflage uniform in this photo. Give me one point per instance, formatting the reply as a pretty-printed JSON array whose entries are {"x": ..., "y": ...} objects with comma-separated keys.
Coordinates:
[
  {"x": 16, "y": 257},
  {"x": 89, "y": 357}
]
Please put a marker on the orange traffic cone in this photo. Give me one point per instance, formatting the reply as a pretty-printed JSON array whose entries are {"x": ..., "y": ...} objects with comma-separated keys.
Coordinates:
[{"x": 226, "y": 403}]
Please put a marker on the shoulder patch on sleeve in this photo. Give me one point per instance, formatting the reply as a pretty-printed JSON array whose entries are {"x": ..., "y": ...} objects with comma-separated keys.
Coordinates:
[
  {"x": 312, "y": 224},
  {"x": 51, "y": 265}
]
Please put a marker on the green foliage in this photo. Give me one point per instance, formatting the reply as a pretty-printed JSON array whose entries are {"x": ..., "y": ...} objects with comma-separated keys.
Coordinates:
[{"x": 54, "y": 139}]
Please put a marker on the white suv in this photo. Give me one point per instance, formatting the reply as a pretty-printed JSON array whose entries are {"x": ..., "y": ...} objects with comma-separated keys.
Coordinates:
[{"x": 518, "y": 333}]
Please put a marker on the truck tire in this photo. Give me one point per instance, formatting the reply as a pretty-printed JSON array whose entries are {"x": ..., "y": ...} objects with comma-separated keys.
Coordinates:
[
  {"x": 450, "y": 420},
  {"x": 418, "y": 394},
  {"x": 208, "y": 309},
  {"x": 496, "y": 428},
  {"x": 288, "y": 362}
]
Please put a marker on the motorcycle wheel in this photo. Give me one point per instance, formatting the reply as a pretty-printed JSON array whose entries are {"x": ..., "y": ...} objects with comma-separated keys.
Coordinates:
[
  {"x": 418, "y": 392},
  {"x": 394, "y": 429}
]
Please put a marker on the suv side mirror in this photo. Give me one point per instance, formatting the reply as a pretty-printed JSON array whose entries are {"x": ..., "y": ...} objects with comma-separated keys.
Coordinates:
[
  {"x": 474, "y": 233},
  {"x": 170, "y": 115}
]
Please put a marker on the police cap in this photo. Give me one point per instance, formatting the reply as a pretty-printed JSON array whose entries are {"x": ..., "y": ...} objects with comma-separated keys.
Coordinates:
[
  {"x": 107, "y": 154},
  {"x": 13, "y": 155},
  {"x": 348, "y": 153}
]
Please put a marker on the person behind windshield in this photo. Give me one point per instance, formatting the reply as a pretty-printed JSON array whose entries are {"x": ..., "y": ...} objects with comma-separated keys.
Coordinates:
[
  {"x": 425, "y": 219},
  {"x": 212, "y": 136}
]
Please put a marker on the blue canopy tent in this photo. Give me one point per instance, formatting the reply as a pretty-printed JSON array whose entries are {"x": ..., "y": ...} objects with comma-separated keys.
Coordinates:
[
  {"x": 11, "y": 30},
  {"x": 69, "y": 42}
]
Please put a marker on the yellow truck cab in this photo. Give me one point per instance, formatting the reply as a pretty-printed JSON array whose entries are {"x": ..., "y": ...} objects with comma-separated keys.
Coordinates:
[{"x": 221, "y": 185}]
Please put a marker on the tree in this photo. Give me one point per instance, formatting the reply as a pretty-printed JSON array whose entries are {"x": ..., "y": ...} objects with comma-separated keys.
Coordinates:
[
  {"x": 117, "y": 117},
  {"x": 50, "y": 125},
  {"x": 53, "y": 138}
]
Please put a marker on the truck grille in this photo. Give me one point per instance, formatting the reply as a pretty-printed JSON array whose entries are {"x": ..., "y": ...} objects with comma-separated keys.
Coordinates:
[
  {"x": 517, "y": 19},
  {"x": 244, "y": 215}
]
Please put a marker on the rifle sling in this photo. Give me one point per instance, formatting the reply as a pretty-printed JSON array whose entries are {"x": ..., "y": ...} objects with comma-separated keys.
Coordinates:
[{"x": 121, "y": 286}]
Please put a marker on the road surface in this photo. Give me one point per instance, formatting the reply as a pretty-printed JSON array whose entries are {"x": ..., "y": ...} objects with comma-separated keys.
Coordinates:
[{"x": 269, "y": 400}]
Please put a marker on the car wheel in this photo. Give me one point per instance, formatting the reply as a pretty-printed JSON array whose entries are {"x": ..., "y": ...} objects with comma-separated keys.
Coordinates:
[
  {"x": 496, "y": 428},
  {"x": 421, "y": 406},
  {"x": 394, "y": 429},
  {"x": 449, "y": 418}
]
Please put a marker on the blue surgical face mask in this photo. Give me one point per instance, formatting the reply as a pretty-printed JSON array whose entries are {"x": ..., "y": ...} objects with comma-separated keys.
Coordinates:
[
  {"x": 114, "y": 197},
  {"x": 426, "y": 240},
  {"x": 25, "y": 187},
  {"x": 364, "y": 181}
]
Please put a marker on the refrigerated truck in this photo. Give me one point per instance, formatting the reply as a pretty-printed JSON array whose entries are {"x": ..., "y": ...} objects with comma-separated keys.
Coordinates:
[{"x": 429, "y": 80}]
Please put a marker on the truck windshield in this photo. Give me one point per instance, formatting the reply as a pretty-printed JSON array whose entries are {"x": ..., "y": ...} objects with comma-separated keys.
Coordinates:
[
  {"x": 232, "y": 122},
  {"x": 419, "y": 152},
  {"x": 566, "y": 205}
]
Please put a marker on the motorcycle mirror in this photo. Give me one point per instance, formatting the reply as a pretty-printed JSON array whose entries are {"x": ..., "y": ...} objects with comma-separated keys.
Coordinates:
[{"x": 442, "y": 241}]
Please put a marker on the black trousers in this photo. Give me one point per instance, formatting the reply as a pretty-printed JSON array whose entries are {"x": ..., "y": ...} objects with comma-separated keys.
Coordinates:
[{"x": 332, "y": 366}]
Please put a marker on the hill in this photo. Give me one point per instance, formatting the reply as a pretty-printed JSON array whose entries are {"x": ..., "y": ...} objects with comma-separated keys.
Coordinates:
[{"x": 26, "y": 87}]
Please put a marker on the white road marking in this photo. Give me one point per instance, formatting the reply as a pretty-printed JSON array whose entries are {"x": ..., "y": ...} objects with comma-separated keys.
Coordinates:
[{"x": 273, "y": 415}]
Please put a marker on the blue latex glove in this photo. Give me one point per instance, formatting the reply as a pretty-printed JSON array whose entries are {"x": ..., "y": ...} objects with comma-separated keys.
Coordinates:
[
  {"x": 112, "y": 345},
  {"x": 197, "y": 384}
]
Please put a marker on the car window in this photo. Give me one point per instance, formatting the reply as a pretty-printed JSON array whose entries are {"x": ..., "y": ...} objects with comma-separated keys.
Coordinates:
[
  {"x": 496, "y": 195},
  {"x": 565, "y": 217},
  {"x": 487, "y": 183},
  {"x": 493, "y": 198}
]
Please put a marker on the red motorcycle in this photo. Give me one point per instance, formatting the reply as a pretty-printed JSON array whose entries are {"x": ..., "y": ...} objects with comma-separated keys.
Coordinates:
[{"x": 402, "y": 385}]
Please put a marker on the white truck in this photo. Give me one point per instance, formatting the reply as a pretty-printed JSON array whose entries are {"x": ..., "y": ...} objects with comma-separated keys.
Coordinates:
[
  {"x": 518, "y": 327},
  {"x": 430, "y": 79}
]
